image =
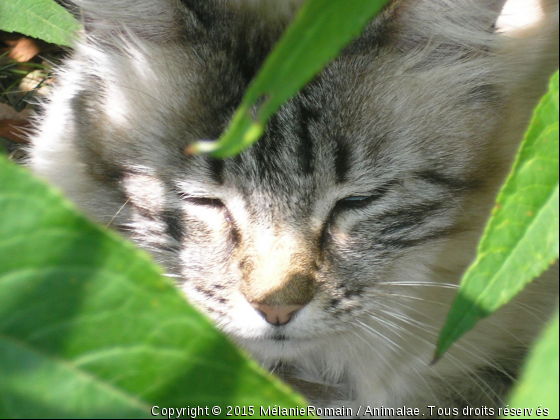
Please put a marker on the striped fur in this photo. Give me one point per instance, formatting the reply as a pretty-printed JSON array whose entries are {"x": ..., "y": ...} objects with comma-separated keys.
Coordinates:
[{"x": 364, "y": 200}]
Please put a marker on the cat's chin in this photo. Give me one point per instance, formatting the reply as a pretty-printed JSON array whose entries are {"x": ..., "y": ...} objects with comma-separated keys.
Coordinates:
[{"x": 270, "y": 349}]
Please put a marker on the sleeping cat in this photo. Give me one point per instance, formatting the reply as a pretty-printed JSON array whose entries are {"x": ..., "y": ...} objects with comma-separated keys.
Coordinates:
[{"x": 332, "y": 248}]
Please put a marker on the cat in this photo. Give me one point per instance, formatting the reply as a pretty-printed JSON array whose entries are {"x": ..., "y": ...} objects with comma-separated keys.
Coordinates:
[{"x": 331, "y": 249}]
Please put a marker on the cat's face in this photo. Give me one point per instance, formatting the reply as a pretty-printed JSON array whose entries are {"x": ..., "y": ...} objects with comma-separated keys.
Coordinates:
[{"x": 363, "y": 181}]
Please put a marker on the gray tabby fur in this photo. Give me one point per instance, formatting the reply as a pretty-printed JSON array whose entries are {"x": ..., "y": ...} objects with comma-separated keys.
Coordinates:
[{"x": 424, "y": 113}]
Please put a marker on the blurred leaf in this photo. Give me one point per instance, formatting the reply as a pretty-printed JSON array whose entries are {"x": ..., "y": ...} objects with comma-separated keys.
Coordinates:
[
  {"x": 521, "y": 239},
  {"x": 321, "y": 29},
  {"x": 539, "y": 384},
  {"x": 43, "y": 19},
  {"x": 89, "y": 328}
]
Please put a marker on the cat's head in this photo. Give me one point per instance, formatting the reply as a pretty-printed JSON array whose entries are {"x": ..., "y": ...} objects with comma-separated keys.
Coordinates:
[{"x": 381, "y": 172}]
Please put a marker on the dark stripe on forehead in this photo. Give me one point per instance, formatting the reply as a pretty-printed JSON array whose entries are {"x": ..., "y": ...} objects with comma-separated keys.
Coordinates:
[
  {"x": 216, "y": 170},
  {"x": 305, "y": 145},
  {"x": 264, "y": 156},
  {"x": 274, "y": 138},
  {"x": 341, "y": 160}
]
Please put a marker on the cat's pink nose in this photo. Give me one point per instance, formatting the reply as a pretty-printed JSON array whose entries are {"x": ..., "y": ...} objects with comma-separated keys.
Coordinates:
[{"x": 277, "y": 315}]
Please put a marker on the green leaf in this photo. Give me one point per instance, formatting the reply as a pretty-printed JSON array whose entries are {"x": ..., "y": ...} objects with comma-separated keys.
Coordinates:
[
  {"x": 521, "y": 239},
  {"x": 42, "y": 19},
  {"x": 89, "y": 327},
  {"x": 539, "y": 384},
  {"x": 321, "y": 29}
]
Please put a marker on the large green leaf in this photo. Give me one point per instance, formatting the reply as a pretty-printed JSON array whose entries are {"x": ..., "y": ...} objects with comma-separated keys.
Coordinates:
[
  {"x": 89, "y": 327},
  {"x": 321, "y": 30},
  {"x": 539, "y": 385},
  {"x": 42, "y": 19},
  {"x": 521, "y": 239}
]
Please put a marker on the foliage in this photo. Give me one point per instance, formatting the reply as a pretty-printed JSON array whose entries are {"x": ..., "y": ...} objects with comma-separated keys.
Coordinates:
[
  {"x": 521, "y": 239},
  {"x": 12, "y": 74},
  {"x": 90, "y": 328},
  {"x": 540, "y": 382},
  {"x": 43, "y": 19}
]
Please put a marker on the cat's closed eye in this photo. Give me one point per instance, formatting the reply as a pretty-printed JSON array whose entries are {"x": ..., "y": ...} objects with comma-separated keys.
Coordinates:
[
  {"x": 354, "y": 202},
  {"x": 362, "y": 201}
]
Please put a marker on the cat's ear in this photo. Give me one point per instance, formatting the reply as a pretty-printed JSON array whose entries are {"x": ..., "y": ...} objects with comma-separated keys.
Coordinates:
[
  {"x": 164, "y": 20},
  {"x": 157, "y": 20},
  {"x": 481, "y": 14},
  {"x": 450, "y": 23}
]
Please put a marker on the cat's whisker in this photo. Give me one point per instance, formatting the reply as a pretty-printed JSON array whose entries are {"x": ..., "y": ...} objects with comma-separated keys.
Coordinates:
[
  {"x": 384, "y": 321},
  {"x": 275, "y": 367},
  {"x": 392, "y": 326},
  {"x": 489, "y": 320},
  {"x": 379, "y": 334},
  {"x": 434, "y": 371},
  {"x": 457, "y": 360},
  {"x": 419, "y": 284},
  {"x": 377, "y": 293},
  {"x": 117, "y": 213},
  {"x": 434, "y": 332},
  {"x": 539, "y": 315},
  {"x": 531, "y": 310}
]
